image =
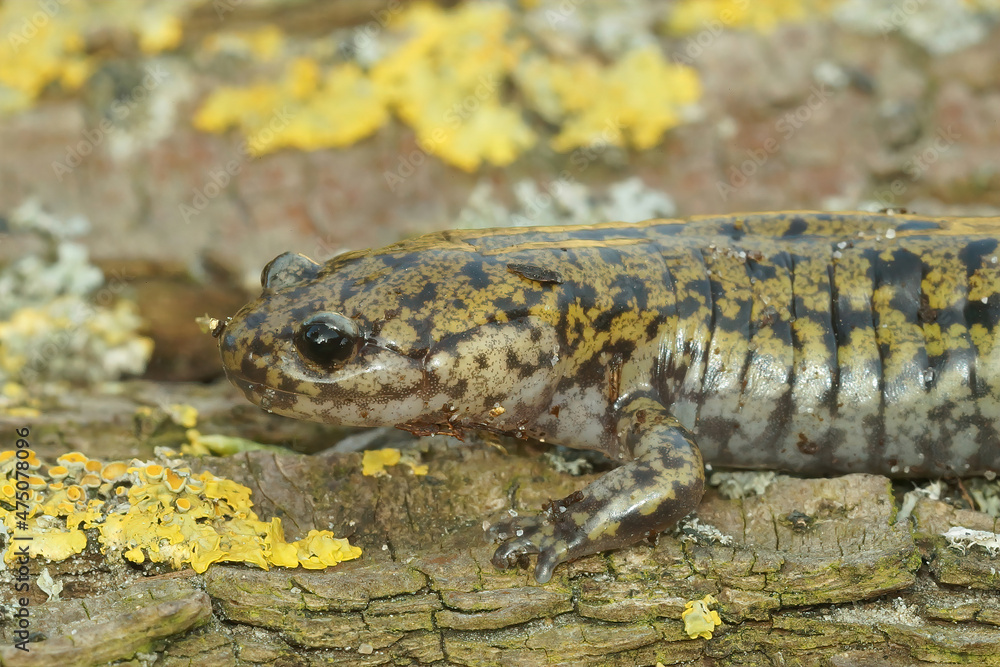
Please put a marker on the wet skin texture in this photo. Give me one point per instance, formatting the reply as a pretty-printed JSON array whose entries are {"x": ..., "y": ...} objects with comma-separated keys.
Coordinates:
[{"x": 815, "y": 343}]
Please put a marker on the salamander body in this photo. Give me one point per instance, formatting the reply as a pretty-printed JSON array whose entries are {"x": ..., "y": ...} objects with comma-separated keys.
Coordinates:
[{"x": 808, "y": 342}]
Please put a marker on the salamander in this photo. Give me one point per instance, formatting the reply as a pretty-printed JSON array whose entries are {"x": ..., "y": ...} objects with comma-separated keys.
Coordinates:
[{"x": 814, "y": 343}]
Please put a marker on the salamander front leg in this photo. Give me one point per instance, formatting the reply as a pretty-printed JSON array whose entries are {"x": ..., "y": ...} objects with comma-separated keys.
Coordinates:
[{"x": 662, "y": 483}]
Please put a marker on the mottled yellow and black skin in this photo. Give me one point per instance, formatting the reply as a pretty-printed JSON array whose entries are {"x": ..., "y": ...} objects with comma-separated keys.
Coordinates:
[{"x": 809, "y": 342}]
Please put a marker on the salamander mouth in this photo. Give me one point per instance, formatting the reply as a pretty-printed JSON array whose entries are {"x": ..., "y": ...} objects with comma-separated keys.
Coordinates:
[{"x": 264, "y": 396}]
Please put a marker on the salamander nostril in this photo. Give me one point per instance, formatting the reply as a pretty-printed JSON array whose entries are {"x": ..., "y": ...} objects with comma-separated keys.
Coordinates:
[{"x": 250, "y": 370}]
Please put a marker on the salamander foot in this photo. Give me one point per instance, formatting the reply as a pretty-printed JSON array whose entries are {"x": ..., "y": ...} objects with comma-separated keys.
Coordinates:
[{"x": 522, "y": 536}]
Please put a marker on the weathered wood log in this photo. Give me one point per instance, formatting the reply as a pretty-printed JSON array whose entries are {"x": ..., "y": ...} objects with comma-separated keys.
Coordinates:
[{"x": 818, "y": 572}]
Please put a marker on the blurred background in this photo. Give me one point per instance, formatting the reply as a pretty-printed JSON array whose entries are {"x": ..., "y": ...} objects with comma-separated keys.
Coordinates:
[{"x": 155, "y": 155}]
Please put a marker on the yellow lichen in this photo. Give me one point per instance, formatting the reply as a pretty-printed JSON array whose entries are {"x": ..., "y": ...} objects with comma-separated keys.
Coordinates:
[
  {"x": 53, "y": 545},
  {"x": 58, "y": 472},
  {"x": 446, "y": 82},
  {"x": 159, "y": 33},
  {"x": 446, "y": 74},
  {"x": 90, "y": 481},
  {"x": 175, "y": 483},
  {"x": 632, "y": 102},
  {"x": 153, "y": 472},
  {"x": 22, "y": 411},
  {"x": 692, "y": 16},
  {"x": 320, "y": 549},
  {"x": 375, "y": 461},
  {"x": 114, "y": 471},
  {"x": 75, "y": 493},
  {"x": 411, "y": 458},
  {"x": 46, "y": 42},
  {"x": 73, "y": 460},
  {"x": 151, "y": 512},
  {"x": 305, "y": 110},
  {"x": 15, "y": 401},
  {"x": 280, "y": 552},
  {"x": 699, "y": 620},
  {"x": 182, "y": 414},
  {"x": 40, "y": 50}
]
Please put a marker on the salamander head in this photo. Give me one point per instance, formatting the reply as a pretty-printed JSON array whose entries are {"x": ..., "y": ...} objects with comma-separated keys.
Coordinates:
[
  {"x": 379, "y": 338},
  {"x": 298, "y": 351}
]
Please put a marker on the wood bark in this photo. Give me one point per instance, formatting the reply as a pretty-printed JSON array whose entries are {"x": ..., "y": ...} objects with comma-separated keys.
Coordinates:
[{"x": 819, "y": 572}]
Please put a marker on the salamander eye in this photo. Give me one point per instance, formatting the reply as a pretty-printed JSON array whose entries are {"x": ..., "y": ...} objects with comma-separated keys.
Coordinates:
[{"x": 327, "y": 339}]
